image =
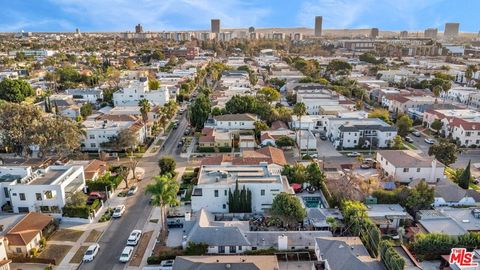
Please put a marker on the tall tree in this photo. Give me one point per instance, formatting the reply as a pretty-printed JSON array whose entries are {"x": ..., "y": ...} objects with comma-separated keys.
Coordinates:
[
  {"x": 404, "y": 124},
  {"x": 287, "y": 207},
  {"x": 299, "y": 109},
  {"x": 437, "y": 125},
  {"x": 145, "y": 108},
  {"x": 269, "y": 94},
  {"x": 465, "y": 177},
  {"x": 167, "y": 165},
  {"x": 199, "y": 111},
  {"x": 444, "y": 151},
  {"x": 164, "y": 191}
]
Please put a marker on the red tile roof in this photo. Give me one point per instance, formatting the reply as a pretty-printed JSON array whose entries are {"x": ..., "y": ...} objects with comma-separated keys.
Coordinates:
[
  {"x": 25, "y": 230},
  {"x": 278, "y": 125},
  {"x": 269, "y": 154}
]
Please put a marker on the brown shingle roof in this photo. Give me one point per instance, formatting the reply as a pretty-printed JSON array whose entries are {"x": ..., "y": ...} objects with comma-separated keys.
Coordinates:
[
  {"x": 95, "y": 166},
  {"x": 25, "y": 230}
]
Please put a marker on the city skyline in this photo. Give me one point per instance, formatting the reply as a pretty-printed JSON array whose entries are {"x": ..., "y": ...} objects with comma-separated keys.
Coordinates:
[{"x": 122, "y": 15}]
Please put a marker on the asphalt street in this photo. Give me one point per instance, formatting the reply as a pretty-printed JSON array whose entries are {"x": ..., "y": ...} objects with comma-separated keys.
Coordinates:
[{"x": 138, "y": 210}]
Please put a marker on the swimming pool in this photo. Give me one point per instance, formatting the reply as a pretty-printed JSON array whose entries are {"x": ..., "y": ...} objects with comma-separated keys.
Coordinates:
[{"x": 312, "y": 202}]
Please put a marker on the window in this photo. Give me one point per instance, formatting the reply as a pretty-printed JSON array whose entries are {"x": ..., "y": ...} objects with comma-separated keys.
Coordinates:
[
  {"x": 216, "y": 193},
  {"x": 93, "y": 145},
  {"x": 22, "y": 196},
  {"x": 225, "y": 192},
  {"x": 233, "y": 249},
  {"x": 18, "y": 250},
  {"x": 262, "y": 192},
  {"x": 91, "y": 137},
  {"x": 221, "y": 249},
  {"x": 224, "y": 206},
  {"x": 38, "y": 196},
  {"x": 405, "y": 169},
  {"x": 240, "y": 248},
  {"x": 7, "y": 194},
  {"x": 418, "y": 169}
]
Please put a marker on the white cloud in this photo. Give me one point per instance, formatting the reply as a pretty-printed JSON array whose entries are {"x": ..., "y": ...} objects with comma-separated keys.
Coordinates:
[{"x": 162, "y": 14}]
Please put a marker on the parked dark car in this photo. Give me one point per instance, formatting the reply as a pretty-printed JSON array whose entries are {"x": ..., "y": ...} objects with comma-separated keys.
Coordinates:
[{"x": 323, "y": 137}]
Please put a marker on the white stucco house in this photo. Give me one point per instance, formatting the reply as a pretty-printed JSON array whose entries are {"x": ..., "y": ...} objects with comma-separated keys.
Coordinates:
[
  {"x": 405, "y": 166},
  {"x": 214, "y": 182},
  {"x": 44, "y": 190},
  {"x": 233, "y": 121},
  {"x": 138, "y": 90}
]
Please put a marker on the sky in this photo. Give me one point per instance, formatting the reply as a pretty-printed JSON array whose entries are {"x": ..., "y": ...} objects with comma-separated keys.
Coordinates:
[{"x": 160, "y": 15}]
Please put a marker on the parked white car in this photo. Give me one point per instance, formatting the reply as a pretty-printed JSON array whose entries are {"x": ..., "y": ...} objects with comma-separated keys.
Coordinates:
[
  {"x": 353, "y": 154},
  {"x": 167, "y": 265},
  {"x": 132, "y": 190},
  {"x": 91, "y": 252},
  {"x": 134, "y": 237},
  {"x": 126, "y": 254},
  {"x": 429, "y": 141},
  {"x": 118, "y": 211}
]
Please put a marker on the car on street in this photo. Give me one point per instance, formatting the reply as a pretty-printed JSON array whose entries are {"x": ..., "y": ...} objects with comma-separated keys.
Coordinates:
[
  {"x": 91, "y": 252},
  {"x": 134, "y": 237},
  {"x": 187, "y": 131},
  {"x": 416, "y": 133},
  {"x": 126, "y": 254},
  {"x": 408, "y": 139},
  {"x": 429, "y": 141},
  {"x": 175, "y": 125},
  {"x": 180, "y": 144},
  {"x": 353, "y": 154},
  {"x": 132, "y": 190},
  {"x": 323, "y": 137},
  {"x": 118, "y": 211}
]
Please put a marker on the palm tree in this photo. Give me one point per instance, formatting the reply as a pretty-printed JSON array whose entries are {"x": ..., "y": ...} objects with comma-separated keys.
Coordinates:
[
  {"x": 164, "y": 191},
  {"x": 299, "y": 110},
  {"x": 144, "y": 110}
]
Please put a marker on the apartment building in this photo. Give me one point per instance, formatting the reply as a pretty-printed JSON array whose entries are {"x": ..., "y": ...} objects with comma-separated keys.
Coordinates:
[
  {"x": 215, "y": 181},
  {"x": 137, "y": 90},
  {"x": 400, "y": 104},
  {"x": 92, "y": 95},
  {"x": 462, "y": 125},
  {"x": 103, "y": 129},
  {"x": 405, "y": 166},
  {"x": 44, "y": 190},
  {"x": 355, "y": 132},
  {"x": 233, "y": 121}
]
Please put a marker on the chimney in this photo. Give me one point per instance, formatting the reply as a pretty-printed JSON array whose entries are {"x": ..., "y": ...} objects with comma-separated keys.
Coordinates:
[{"x": 282, "y": 242}]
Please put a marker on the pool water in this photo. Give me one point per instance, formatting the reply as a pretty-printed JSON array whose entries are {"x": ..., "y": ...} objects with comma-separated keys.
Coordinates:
[{"x": 312, "y": 202}]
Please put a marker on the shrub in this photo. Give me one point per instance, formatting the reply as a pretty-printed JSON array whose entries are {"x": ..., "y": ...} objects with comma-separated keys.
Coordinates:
[
  {"x": 224, "y": 149},
  {"x": 76, "y": 211},
  {"x": 206, "y": 149},
  {"x": 196, "y": 249},
  {"x": 34, "y": 252},
  {"x": 165, "y": 255}
]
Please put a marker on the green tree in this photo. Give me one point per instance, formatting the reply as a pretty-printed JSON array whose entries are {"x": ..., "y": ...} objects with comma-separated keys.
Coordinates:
[
  {"x": 436, "y": 125},
  {"x": 200, "y": 111},
  {"x": 158, "y": 55},
  {"x": 284, "y": 141},
  {"x": 381, "y": 114},
  {"x": 269, "y": 94},
  {"x": 145, "y": 108},
  {"x": 421, "y": 197},
  {"x": 339, "y": 67},
  {"x": 126, "y": 140},
  {"x": 397, "y": 142},
  {"x": 299, "y": 109},
  {"x": 287, "y": 207},
  {"x": 15, "y": 90},
  {"x": 259, "y": 127},
  {"x": 404, "y": 124},
  {"x": 465, "y": 177},
  {"x": 167, "y": 165},
  {"x": 315, "y": 176},
  {"x": 444, "y": 151},
  {"x": 153, "y": 84},
  {"x": 164, "y": 191},
  {"x": 241, "y": 104},
  {"x": 217, "y": 111},
  {"x": 86, "y": 110}
]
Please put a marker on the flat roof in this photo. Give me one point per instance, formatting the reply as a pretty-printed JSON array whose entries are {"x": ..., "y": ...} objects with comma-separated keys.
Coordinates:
[
  {"x": 48, "y": 177},
  {"x": 228, "y": 174}
]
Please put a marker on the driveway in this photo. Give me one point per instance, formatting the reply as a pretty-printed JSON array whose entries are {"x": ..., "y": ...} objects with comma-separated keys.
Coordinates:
[{"x": 326, "y": 149}]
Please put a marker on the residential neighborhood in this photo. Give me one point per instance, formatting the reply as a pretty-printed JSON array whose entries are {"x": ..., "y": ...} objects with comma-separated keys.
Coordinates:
[{"x": 240, "y": 148}]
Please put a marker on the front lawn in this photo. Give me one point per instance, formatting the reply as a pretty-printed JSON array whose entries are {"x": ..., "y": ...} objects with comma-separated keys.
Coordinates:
[
  {"x": 66, "y": 235},
  {"x": 55, "y": 252}
]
